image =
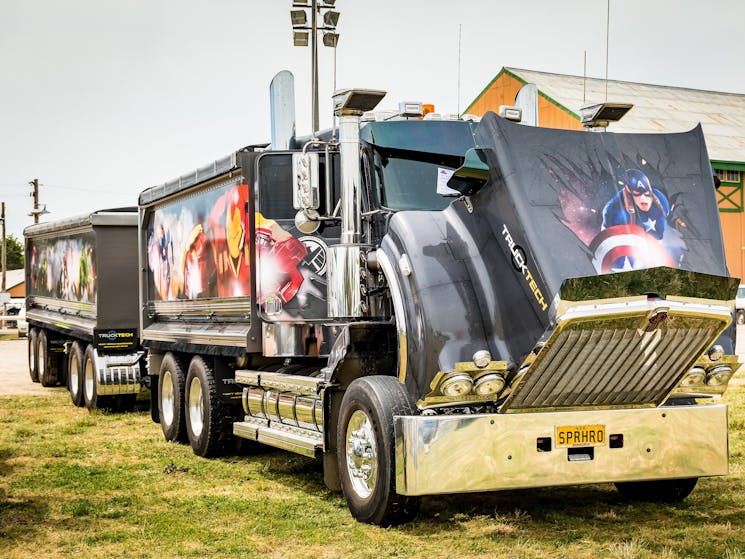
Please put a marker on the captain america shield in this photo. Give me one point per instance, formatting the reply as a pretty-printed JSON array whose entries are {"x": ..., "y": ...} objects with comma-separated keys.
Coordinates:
[{"x": 627, "y": 247}]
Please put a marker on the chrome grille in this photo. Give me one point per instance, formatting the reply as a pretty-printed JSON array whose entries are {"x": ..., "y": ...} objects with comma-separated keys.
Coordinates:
[{"x": 612, "y": 357}]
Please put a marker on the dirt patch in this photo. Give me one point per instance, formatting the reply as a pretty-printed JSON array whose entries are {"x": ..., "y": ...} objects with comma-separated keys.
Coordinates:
[{"x": 14, "y": 377}]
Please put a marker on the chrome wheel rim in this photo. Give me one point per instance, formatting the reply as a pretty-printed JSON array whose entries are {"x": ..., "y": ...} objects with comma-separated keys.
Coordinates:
[
  {"x": 362, "y": 454},
  {"x": 40, "y": 360},
  {"x": 31, "y": 354},
  {"x": 89, "y": 380},
  {"x": 74, "y": 376},
  {"x": 196, "y": 407},
  {"x": 167, "y": 399}
]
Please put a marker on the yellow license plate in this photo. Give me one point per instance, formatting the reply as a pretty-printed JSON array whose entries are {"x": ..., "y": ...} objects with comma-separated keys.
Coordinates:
[{"x": 580, "y": 435}]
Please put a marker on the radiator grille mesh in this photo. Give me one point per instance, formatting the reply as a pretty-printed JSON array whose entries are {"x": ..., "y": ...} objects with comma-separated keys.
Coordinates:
[{"x": 611, "y": 362}]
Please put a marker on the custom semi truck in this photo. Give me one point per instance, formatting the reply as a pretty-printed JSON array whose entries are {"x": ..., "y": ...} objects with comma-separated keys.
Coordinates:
[
  {"x": 82, "y": 307},
  {"x": 444, "y": 306}
]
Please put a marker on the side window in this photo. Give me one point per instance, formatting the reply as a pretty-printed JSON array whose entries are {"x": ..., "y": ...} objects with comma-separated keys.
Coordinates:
[
  {"x": 275, "y": 186},
  {"x": 275, "y": 189}
]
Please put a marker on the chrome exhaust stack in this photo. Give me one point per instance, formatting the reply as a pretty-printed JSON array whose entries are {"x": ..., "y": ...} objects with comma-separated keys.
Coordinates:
[{"x": 345, "y": 259}]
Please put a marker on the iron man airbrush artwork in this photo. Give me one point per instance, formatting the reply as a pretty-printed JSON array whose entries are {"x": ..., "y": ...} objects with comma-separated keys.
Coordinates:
[{"x": 200, "y": 247}]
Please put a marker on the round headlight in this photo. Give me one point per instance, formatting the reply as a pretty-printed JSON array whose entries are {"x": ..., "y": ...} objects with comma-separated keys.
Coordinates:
[
  {"x": 481, "y": 358},
  {"x": 695, "y": 377},
  {"x": 719, "y": 375},
  {"x": 488, "y": 384},
  {"x": 716, "y": 352},
  {"x": 456, "y": 385}
]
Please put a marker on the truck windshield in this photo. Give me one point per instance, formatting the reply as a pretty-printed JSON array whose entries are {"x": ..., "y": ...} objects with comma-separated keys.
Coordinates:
[{"x": 408, "y": 180}]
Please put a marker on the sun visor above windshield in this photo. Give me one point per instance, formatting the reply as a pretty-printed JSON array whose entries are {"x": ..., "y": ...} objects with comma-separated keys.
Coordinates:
[{"x": 447, "y": 137}]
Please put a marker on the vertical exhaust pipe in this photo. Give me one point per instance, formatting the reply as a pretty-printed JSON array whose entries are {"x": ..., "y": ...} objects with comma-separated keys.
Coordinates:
[
  {"x": 282, "y": 105},
  {"x": 344, "y": 271}
]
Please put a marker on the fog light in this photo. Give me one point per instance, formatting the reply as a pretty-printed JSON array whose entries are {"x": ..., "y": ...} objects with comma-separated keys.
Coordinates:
[
  {"x": 716, "y": 352},
  {"x": 489, "y": 384},
  {"x": 695, "y": 377},
  {"x": 719, "y": 375},
  {"x": 481, "y": 358},
  {"x": 456, "y": 385}
]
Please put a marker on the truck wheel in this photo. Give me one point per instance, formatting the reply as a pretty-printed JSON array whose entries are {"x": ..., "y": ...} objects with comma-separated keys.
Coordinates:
[
  {"x": 44, "y": 361},
  {"x": 90, "y": 394},
  {"x": 365, "y": 451},
  {"x": 171, "y": 399},
  {"x": 741, "y": 316},
  {"x": 208, "y": 420},
  {"x": 32, "y": 363},
  {"x": 659, "y": 491},
  {"x": 75, "y": 375}
]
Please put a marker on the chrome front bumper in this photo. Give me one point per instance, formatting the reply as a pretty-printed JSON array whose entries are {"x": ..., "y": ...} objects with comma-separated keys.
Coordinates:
[{"x": 460, "y": 454}]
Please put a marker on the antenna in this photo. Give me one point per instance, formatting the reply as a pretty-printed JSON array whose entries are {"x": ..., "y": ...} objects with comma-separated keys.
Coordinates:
[
  {"x": 459, "y": 35},
  {"x": 584, "y": 81},
  {"x": 607, "y": 33}
]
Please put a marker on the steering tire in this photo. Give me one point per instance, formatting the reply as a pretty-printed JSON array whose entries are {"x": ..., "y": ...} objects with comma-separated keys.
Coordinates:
[
  {"x": 658, "y": 491},
  {"x": 366, "y": 447}
]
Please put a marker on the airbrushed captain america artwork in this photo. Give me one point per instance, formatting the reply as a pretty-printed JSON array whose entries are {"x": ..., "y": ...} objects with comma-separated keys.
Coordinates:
[
  {"x": 638, "y": 203},
  {"x": 624, "y": 217}
]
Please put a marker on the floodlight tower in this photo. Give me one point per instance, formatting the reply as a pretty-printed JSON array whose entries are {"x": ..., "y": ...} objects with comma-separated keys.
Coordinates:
[{"x": 302, "y": 30}]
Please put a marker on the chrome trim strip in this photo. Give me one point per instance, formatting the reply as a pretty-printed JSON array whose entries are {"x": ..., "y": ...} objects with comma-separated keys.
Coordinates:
[
  {"x": 213, "y": 307},
  {"x": 227, "y": 335},
  {"x": 64, "y": 321},
  {"x": 398, "y": 310},
  {"x": 62, "y": 306},
  {"x": 458, "y": 454}
]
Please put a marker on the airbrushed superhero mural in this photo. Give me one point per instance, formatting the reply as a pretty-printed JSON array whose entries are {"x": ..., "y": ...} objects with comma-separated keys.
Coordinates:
[
  {"x": 627, "y": 222},
  {"x": 64, "y": 268},
  {"x": 199, "y": 247}
]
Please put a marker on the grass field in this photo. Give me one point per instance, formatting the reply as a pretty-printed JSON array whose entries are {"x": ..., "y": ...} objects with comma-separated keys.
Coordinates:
[{"x": 75, "y": 484}]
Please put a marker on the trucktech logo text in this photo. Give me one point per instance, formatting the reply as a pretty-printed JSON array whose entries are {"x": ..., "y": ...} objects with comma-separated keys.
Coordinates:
[{"x": 518, "y": 260}]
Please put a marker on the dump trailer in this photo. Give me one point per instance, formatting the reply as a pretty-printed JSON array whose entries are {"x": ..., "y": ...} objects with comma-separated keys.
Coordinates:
[
  {"x": 437, "y": 306},
  {"x": 82, "y": 307}
]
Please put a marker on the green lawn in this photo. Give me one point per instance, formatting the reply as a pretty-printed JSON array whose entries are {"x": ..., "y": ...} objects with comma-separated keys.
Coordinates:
[{"x": 74, "y": 484}]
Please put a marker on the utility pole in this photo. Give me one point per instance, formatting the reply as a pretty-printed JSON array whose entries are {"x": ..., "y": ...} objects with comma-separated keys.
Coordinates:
[
  {"x": 3, "y": 261},
  {"x": 35, "y": 194}
]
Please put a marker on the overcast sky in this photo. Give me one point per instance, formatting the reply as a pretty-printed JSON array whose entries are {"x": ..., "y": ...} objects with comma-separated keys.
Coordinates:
[{"x": 102, "y": 99}]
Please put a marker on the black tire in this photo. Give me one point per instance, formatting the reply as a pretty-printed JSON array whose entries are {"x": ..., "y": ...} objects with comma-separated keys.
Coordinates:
[
  {"x": 46, "y": 363},
  {"x": 91, "y": 399},
  {"x": 741, "y": 316},
  {"x": 209, "y": 422},
  {"x": 659, "y": 491},
  {"x": 33, "y": 369},
  {"x": 366, "y": 422},
  {"x": 75, "y": 374},
  {"x": 171, "y": 381}
]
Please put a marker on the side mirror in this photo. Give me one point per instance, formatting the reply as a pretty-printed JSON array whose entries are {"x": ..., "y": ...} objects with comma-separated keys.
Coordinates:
[
  {"x": 472, "y": 175},
  {"x": 305, "y": 194}
]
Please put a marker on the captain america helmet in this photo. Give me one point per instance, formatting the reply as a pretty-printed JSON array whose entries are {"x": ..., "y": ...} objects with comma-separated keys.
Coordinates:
[{"x": 637, "y": 182}]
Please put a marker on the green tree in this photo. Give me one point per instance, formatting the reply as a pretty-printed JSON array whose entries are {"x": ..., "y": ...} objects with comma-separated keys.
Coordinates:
[{"x": 14, "y": 253}]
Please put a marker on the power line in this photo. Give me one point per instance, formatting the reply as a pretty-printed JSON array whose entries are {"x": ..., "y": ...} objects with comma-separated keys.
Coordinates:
[
  {"x": 62, "y": 187},
  {"x": 82, "y": 189}
]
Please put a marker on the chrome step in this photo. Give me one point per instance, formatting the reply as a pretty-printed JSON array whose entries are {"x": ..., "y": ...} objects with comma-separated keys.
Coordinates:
[{"x": 293, "y": 439}]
